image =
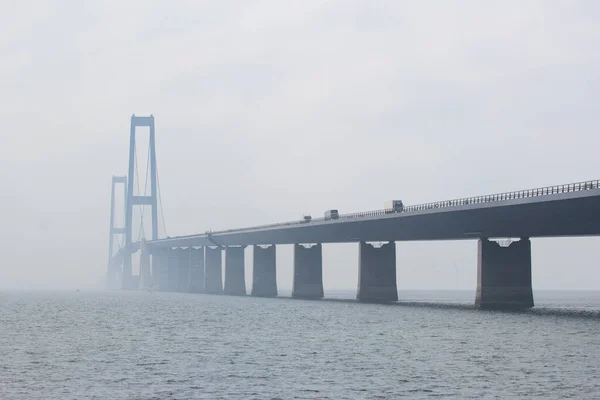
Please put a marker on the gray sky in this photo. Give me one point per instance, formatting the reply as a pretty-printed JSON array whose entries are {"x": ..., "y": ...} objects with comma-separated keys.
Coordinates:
[{"x": 266, "y": 110}]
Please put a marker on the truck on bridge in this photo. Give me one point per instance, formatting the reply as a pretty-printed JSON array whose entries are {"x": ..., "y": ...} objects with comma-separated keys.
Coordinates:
[
  {"x": 394, "y": 205},
  {"x": 331, "y": 214}
]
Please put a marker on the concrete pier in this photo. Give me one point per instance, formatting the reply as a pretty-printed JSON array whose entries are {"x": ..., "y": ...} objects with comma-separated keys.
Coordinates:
[
  {"x": 235, "y": 280},
  {"x": 160, "y": 265},
  {"x": 135, "y": 282},
  {"x": 183, "y": 269},
  {"x": 113, "y": 275},
  {"x": 172, "y": 270},
  {"x": 213, "y": 279},
  {"x": 377, "y": 273},
  {"x": 264, "y": 275},
  {"x": 145, "y": 272},
  {"x": 504, "y": 275},
  {"x": 127, "y": 281},
  {"x": 308, "y": 271},
  {"x": 196, "y": 270}
]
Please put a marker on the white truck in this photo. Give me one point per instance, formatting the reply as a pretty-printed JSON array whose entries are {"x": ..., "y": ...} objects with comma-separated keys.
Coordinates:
[
  {"x": 393, "y": 206},
  {"x": 331, "y": 214}
]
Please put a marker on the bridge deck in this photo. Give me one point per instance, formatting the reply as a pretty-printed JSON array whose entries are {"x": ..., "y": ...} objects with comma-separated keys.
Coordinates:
[{"x": 565, "y": 210}]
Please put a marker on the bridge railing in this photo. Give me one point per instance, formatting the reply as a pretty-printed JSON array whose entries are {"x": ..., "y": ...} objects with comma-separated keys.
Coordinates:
[{"x": 519, "y": 194}]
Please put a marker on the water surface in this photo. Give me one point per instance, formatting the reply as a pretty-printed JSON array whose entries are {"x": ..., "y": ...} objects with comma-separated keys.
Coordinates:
[{"x": 141, "y": 345}]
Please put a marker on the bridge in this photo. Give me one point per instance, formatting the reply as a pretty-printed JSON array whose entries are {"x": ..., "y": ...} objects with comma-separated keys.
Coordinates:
[{"x": 502, "y": 223}]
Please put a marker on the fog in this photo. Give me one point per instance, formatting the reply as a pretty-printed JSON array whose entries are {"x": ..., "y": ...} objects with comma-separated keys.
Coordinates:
[{"x": 267, "y": 110}]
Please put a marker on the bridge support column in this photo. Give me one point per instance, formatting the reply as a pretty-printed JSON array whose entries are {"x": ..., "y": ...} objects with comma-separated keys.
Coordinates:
[
  {"x": 183, "y": 270},
  {"x": 161, "y": 269},
  {"x": 135, "y": 282},
  {"x": 196, "y": 270},
  {"x": 308, "y": 271},
  {"x": 264, "y": 275},
  {"x": 127, "y": 281},
  {"x": 213, "y": 279},
  {"x": 172, "y": 270},
  {"x": 504, "y": 275},
  {"x": 145, "y": 273},
  {"x": 113, "y": 276},
  {"x": 377, "y": 273},
  {"x": 235, "y": 280}
]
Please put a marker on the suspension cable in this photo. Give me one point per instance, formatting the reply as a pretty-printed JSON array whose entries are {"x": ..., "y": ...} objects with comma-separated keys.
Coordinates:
[
  {"x": 124, "y": 216},
  {"x": 142, "y": 231},
  {"x": 162, "y": 213},
  {"x": 137, "y": 181}
]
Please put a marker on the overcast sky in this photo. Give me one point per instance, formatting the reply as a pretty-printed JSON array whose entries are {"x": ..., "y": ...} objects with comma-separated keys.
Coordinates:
[{"x": 266, "y": 110}]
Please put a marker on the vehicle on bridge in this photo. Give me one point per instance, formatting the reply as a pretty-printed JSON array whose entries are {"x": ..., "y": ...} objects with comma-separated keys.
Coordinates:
[
  {"x": 394, "y": 205},
  {"x": 307, "y": 218},
  {"x": 331, "y": 214}
]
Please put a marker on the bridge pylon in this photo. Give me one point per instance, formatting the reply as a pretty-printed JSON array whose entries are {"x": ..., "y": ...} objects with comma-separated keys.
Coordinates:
[
  {"x": 114, "y": 272},
  {"x": 128, "y": 281}
]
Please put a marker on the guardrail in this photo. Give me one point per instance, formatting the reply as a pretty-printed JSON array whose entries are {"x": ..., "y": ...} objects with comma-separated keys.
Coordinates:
[{"x": 520, "y": 194}]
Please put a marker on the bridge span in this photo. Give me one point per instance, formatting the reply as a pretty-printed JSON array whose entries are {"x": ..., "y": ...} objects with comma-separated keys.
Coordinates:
[{"x": 193, "y": 263}]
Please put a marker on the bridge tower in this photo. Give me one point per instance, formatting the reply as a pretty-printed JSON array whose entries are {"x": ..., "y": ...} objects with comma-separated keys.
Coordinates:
[
  {"x": 113, "y": 273},
  {"x": 128, "y": 281}
]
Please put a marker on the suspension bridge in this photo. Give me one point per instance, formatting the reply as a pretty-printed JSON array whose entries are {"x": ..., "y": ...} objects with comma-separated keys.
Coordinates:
[{"x": 193, "y": 263}]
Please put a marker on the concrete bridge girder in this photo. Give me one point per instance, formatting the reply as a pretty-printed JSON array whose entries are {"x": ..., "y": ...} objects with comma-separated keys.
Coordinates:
[{"x": 568, "y": 214}]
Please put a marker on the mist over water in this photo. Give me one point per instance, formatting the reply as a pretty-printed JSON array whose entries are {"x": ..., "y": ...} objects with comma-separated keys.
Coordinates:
[
  {"x": 143, "y": 345},
  {"x": 265, "y": 112}
]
